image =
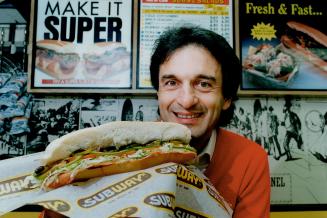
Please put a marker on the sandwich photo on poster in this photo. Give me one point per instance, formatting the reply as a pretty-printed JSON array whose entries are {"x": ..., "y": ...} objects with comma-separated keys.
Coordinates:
[
  {"x": 82, "y": 44},
  {"x": 283, "y": 45}
]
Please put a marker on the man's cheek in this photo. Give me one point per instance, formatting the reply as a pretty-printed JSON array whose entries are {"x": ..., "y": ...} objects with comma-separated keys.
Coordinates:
[{"x": 163, "y": 112}]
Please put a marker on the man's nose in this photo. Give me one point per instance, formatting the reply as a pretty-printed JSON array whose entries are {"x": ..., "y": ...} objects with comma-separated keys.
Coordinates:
[{"x": 187, "y": 97}]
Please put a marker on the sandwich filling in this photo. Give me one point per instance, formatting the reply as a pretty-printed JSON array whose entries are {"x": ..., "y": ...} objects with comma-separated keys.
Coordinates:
[
  {"x": 305, "y": 41},
  {"x": 66, "y": 169},
  {"x": 67, "y": 61},
  {"x": 112, "y": 60}
]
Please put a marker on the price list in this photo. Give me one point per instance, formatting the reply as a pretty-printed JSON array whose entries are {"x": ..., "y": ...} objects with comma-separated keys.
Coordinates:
[{"x": 158, "y": 15}]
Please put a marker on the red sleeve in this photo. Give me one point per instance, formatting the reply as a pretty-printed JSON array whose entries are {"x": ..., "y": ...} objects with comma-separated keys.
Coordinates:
[
  {"x": 50, "y": 214},
  {"x": 41, "y": 215},
  {"x": 254, "y": 197}
]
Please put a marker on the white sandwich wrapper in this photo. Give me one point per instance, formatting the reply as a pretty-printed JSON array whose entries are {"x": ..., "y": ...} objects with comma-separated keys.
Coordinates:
[{"x": 167, "y": 190}]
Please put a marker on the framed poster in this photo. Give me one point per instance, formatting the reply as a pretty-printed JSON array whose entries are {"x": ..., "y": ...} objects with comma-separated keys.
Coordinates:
[
  {"x": 156, "y": 16},
  {"x": 283, "y": 46},
  {"x": 79, "y": 45}
]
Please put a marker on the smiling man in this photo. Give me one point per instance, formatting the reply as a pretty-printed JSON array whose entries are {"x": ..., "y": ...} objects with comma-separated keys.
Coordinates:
[
  {"x": 190, "y": 85},
  {"x": 196, "y": 74}
]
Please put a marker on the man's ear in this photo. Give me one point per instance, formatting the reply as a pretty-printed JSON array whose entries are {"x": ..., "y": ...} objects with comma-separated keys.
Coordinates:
[{"x": 227, "y": 103}]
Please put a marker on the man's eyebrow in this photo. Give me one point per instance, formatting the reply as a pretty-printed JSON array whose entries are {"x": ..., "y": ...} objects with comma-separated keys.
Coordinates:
[
  {"x": 167, "y": 76},
  {"x": 203, "y": 76},
  {"x": 200, "y": 76}
]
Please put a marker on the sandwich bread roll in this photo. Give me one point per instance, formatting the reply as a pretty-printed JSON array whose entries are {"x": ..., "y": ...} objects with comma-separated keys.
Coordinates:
[{"x": 112, "y": 148}]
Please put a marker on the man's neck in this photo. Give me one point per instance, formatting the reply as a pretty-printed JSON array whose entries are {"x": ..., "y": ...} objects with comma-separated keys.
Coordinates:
[{"x": 201, "y": 142}]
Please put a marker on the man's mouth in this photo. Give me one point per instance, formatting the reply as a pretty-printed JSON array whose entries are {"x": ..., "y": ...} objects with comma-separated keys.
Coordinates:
[{"x": 188, "y": 116}]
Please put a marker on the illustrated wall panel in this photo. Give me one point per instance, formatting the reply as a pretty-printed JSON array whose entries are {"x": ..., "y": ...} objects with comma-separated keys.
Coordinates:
[{"x": 293, "y": 132}]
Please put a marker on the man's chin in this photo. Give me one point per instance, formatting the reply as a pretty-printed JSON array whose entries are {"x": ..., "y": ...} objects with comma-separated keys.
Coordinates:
[{"x": 195, "y": 132}]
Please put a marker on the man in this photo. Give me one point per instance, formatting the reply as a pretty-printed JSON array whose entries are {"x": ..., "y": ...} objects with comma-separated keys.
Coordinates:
[
  {"x": 244, "y": 123},
  {"x": 292, "y": 124},
  {"x": 139, "y": 114},
  {"x": 196, "y": 74},
  {"x": 263, "y": 128},
  {"x": 273, "y": 123},
  {"x": 257, "y": 111}
]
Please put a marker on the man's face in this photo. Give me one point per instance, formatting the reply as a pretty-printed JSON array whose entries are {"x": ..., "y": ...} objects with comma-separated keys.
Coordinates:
[{"x": 190, "y": 90}]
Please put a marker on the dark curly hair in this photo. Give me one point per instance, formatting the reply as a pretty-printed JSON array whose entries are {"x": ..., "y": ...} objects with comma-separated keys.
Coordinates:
[{"x": 177, "y": 37}]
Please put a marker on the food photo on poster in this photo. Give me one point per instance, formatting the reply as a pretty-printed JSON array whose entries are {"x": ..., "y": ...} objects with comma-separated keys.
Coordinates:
[
  {"x": 82, "y": 44},
  {"x": 283, "y": 45}
]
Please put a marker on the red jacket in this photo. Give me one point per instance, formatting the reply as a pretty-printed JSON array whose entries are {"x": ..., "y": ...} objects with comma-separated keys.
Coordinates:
[{"x": 240, "y": 172}]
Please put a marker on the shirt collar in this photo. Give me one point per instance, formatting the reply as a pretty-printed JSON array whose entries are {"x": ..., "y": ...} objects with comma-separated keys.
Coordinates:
[
  {"x": 210, "y": 148},
  {"x": 205, "y": 156}
]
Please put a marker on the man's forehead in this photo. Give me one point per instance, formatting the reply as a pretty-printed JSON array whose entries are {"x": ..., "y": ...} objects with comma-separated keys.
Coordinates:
[
  {"x": 191, "y": 62},
  {"x": 196, "y": 76}
]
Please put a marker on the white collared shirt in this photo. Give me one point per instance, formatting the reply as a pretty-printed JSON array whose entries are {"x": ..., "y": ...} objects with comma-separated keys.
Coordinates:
[{"x": 205, "y": 156}]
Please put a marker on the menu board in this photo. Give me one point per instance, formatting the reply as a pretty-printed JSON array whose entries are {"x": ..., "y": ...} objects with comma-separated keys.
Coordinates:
[{"x": 157, "y": 15}]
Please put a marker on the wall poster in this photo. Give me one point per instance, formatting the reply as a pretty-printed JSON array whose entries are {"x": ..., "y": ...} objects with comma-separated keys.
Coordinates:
[
  {"x": 156, "y": 16},
  {"x": 293, "y": 132},
  {"x": 50, "y": 119},
  {"x": 81, "y": 44},
  {"x": 97, "y": 111},
  {"x": 138, "y": 109},
  {"x": 283, "y": 46}
]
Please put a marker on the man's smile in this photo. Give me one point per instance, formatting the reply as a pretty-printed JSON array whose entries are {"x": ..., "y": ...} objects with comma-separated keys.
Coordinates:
[{"x": 187, "y": 116}]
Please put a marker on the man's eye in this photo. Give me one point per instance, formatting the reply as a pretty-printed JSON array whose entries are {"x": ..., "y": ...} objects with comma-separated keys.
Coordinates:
[
  {"x": 203, "y": 85},
  {"x": 170, "y": 83}
]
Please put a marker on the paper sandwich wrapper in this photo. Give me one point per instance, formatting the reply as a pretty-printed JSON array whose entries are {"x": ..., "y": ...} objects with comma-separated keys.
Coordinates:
[{"x": 167, "y": 190}]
